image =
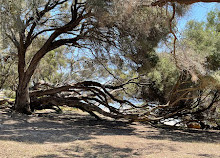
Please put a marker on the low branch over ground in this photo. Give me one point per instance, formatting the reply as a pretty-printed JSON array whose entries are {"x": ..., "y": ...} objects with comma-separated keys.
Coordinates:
[{"x": 93, "y": 98}]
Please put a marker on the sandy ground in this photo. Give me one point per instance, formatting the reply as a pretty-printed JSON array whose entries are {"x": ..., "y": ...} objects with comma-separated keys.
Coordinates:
[{"x": 79, "y": 135}]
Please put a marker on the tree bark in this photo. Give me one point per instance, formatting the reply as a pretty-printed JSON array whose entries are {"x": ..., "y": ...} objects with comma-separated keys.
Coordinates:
[
  {"x": 22, "y": 102},
  {"x": 26, "y": 37}
]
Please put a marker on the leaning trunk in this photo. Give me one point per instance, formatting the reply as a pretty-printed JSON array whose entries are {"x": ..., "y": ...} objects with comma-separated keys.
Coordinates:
[{"x": 22, "y": 103}]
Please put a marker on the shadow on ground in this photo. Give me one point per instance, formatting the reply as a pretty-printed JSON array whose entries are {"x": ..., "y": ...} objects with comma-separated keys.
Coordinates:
[
  {"x": 182, "y": 135},
  {"x": 97, "y": 150},
  {"x": 57, "y": 128},
  {"x": 72, "y": 127},
  {"x": 75, "y": 126}
]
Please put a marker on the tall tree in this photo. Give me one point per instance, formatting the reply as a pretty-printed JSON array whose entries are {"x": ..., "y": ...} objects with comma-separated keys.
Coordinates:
[{"x": 96, "y": 25}]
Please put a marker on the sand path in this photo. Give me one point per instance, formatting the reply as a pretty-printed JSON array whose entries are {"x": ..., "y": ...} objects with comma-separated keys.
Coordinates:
[{"x": 79, "y": 135}]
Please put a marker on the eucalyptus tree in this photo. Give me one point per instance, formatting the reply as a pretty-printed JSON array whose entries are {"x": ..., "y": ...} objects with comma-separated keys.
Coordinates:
[{"x": 102, "y": 27}]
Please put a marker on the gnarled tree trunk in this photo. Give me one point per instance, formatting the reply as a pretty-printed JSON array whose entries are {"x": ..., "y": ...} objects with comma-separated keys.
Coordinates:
[{"x": 22, "y": 102}]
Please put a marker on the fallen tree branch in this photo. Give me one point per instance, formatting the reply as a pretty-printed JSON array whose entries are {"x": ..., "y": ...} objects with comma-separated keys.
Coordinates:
[{"x": 91, "y": 97}]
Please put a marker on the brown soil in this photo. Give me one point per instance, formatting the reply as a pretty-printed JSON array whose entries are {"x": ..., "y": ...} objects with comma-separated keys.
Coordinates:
[{"x": 75, "y": 134}]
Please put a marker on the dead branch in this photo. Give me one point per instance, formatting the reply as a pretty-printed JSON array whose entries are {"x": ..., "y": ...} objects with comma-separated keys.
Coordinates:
[{"x": 91, "y": 97}]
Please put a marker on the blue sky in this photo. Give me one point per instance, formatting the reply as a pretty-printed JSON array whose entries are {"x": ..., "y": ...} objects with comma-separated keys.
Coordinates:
[{"x": 197, "y": 12}]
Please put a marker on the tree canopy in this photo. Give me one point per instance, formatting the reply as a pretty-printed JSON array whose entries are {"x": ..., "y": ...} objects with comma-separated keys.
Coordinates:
[{"x": 100, "y": 56}]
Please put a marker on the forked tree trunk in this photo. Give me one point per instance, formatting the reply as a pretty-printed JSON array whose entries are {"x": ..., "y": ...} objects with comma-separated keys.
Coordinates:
[{"x": 22, "y": 102}]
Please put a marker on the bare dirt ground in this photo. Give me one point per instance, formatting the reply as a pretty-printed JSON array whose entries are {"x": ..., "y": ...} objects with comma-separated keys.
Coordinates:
[{"x": 75, "y": 134}]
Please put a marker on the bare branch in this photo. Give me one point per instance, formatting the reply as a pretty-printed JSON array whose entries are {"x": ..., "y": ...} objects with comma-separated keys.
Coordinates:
[
  {"x": 40, "y": 14},
  {"x": 13, "y": 39},
  {"x": 46, "y": 30},
  {"x": 58, "y": 43}
]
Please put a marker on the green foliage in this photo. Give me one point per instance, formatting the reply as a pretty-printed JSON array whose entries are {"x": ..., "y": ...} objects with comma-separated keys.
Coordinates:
[
  {"x": 119, "y": 34},
  {"x": 204, "y": 38},
  {"x": 8, "y": 74},
  {"x": 50, "y": 68},
  {"x": 136, "y": 31},
  {"x": 202, "y": 51},
  {"x": 9, "y": 94},
  {"x": 213, "y": 61},
  {"x": 165, "y": 74}
]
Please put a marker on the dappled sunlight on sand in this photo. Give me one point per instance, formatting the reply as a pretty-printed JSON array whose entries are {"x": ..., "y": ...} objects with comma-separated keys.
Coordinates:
[{"x": 79, "y": 135}]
